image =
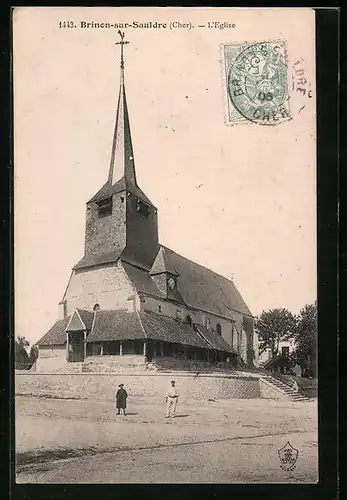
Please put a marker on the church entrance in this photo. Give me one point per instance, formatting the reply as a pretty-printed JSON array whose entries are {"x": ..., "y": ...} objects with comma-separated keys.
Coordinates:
[{"x": 76, "y": 346}]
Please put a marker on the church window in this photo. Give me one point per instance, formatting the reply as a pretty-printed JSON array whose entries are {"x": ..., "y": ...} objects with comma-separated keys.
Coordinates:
[
  {"x": 96, "y": 307},
  {"x": 142, "y": 208},
  {"x": 189, "y": 320},
  {"x": 105, "y": 207},
  {"x": 219, "y": 328},
  {"x": 122, "y": 199},
  {"x": 159, "y": 309},
  {"x": 207, "y": 323}
]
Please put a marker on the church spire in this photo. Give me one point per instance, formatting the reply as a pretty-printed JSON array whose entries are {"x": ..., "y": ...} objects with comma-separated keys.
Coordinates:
[{"x": 122, "y": 157}]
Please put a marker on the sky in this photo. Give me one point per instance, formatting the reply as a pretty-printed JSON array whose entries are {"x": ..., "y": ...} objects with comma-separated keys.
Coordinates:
[{"x": 239, "y": 199}]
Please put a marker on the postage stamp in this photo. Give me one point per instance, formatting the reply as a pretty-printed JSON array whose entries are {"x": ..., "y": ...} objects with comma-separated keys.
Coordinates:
[{"x": 257, "y": 83}]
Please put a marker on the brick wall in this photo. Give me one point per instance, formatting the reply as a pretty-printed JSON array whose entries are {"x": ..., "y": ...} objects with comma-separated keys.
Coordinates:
[
  {"x": 108, "y": 286},
  {"x": 154, "y": 386}
]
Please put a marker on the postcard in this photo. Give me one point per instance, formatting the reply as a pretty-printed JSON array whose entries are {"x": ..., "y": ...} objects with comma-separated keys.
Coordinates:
[{"x": 165, "y": 245}]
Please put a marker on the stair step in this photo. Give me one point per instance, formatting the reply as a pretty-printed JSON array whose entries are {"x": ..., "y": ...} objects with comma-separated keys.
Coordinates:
[{"x": 286, "y": 390}]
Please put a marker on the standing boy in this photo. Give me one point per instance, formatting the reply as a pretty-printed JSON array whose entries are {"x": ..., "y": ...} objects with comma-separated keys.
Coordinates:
[{"x": 171, "y": 400}]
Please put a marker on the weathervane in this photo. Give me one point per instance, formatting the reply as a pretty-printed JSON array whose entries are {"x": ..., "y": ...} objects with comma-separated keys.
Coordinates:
[{"x": 121, "y": 43}]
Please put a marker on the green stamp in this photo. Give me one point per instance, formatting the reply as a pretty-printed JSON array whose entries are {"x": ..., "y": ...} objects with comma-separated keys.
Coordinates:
[{"x": 257, "y": 83}]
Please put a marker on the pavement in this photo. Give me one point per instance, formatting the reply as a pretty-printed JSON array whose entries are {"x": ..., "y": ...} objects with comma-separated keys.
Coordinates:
[{"x": 225, "y": 441}]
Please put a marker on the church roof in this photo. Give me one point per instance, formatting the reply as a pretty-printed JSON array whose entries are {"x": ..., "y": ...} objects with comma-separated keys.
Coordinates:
[
  {"x": 214, "y": 339},
  {"x": 55, "y": 335},
  {"x": 162, "y": 265},
  {"x": 112, "y": 325},
  {"x": 108, "y": 190},
  {"x": 199, "y": 287},
  {"x": 96, "y": 260},
  {"x": 166, "y": 329},
  {"x": 204, "y": 289},
  {"x": 116, "y": 325},
  {"x": 142, "y": 280},
  {"x": 80, "y": 320}
]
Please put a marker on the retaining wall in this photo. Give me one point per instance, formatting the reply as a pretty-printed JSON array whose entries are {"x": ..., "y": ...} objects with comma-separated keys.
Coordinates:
[
  {"x": 103, "y": 386},
  {"x": 268, "y": 391}
]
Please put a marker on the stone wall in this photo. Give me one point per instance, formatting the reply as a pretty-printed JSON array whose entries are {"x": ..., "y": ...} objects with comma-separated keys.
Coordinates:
[
  {"x": 174, "y": 364},
  {"x": 105, "y": 363},
  {"x": 154, "y": 386},
  {"x": 106, "y": 234},
  {"x": 267, "y": 391},
  {"x": 51, "y": 359},
  {"x": 52, "y": 351},
  {"x": 108, "y": 286}
]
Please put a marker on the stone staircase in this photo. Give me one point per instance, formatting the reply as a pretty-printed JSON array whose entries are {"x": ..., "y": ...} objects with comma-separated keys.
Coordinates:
[{"x": 284, "y": 389}]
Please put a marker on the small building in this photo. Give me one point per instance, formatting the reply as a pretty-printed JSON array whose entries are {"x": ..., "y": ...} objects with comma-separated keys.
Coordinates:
[
  {"x": 286, "y": 347},
  {"x": 130, "y": 298},
  {"x": 281, "y": 363}
]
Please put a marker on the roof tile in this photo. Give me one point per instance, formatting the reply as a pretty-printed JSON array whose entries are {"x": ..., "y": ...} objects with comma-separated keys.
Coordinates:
[
  {"x": 116, "y": 325},
  {"x": 96, "y": 260},
  {"x": 167, "y": 329},
  {"x": 215, "y": 339},
  {"x": 57, "y": 334}
]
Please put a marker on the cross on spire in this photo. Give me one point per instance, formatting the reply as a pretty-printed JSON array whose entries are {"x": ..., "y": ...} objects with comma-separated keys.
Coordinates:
[
  {"x": 121, "y": 43},
  {"x": 122, "y": 156}
]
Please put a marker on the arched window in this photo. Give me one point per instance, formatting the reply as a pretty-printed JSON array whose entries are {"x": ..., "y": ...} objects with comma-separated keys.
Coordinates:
[
  {"x": 96, "y": 307},
  {"x": 219, "y": 328},
  {"x": 189, "y": 320}
]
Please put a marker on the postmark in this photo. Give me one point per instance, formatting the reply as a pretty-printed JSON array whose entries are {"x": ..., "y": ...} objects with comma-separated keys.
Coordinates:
[
  {"x": 257, "y": 83},
  {"x": 301, "y": 87}
]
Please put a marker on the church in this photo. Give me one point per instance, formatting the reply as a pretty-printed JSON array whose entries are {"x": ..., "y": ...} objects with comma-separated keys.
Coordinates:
[{"x": 132, "y": 301}]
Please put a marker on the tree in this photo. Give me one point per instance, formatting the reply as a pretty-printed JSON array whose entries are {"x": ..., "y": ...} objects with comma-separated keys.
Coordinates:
[
  {"x": 274, "y": 326},
  {"x": 34, "y": 354},
  {"x": 20, "y": 356},
  {"x": 23, "y": 342},
  {"x": 305, "y": 353}
]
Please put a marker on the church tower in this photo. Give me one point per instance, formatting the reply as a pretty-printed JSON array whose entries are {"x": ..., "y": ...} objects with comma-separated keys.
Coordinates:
[{"x": 121, "y": 222}]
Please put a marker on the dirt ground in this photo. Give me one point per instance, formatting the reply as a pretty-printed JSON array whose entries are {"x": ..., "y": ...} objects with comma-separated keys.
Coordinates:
[{"x": 230, "y": 441}]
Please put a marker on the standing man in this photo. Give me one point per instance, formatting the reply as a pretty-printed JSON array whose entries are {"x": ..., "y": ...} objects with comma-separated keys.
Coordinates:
[
  {"x": 121, "y": 399},
  {"x": 171, "y": 400}
]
